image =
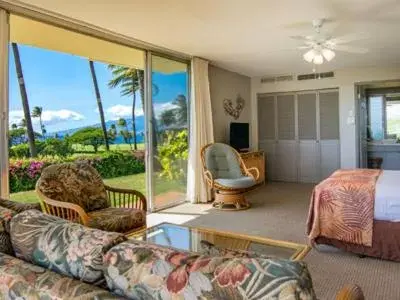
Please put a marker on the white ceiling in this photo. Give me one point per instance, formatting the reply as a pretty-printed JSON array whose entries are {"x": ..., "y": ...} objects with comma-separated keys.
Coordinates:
[{"x": 251, "y": 37}]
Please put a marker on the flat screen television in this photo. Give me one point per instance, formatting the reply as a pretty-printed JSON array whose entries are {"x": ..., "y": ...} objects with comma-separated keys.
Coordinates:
[{"x": 239, "y": 136}]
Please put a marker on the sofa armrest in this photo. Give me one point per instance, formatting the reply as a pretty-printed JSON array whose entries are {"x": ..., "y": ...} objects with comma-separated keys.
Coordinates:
[
  {"x": 18, "y": 206},
  {"x": 350, "y": 292},
  {"x": 126, "y": 198}
]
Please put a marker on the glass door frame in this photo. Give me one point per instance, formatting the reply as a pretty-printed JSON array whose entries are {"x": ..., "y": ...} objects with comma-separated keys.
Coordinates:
[
  {"x": 4, "y": 106},
  {"x": 149, "y": 161}
]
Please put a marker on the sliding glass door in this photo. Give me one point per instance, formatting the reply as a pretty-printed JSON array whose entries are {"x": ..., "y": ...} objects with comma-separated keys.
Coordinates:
[
  {"x": 125, "y": 110},
  {"x": 169, "y": 126}
]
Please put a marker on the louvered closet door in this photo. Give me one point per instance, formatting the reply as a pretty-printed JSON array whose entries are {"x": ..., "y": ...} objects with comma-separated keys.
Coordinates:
[
  {"x": 286, "y": 149},
  {"x": 308, "y": 151},
  {"x": 267, "y": 132},
  {"x": 329, "y": 132}
]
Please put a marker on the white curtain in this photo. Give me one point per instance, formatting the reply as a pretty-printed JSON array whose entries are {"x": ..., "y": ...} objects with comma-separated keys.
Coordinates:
[
  {"x": 4, "y": 33},
  {"x": 201, "y": 130}
]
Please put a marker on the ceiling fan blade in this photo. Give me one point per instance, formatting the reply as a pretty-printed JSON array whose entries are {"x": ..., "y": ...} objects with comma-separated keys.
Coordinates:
[
  {"x": 349, "y": 49},
  {"x": 307, "y": 24},
  {"x": 304, "y": 47},
  {"x": 344, "y": 39},
  {"x": 302, "y": 37}
]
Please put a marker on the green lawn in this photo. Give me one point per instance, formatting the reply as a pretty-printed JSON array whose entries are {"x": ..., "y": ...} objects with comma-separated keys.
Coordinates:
[{"x": 136, "y": 182}]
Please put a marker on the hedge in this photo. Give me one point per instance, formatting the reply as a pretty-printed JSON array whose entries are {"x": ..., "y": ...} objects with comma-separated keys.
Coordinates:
[{"x": 25, "y": 172}]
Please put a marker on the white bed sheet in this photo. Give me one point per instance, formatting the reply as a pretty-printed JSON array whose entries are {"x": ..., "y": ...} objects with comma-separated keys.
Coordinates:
[{"x": 387, "y": 196}]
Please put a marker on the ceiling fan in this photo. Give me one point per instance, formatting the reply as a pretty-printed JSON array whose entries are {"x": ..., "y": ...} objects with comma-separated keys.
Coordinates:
[{"x": 322, "y": 46}]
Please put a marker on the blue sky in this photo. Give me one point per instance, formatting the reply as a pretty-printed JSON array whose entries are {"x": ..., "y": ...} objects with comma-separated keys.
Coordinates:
[{"x": 62, "y": 85}]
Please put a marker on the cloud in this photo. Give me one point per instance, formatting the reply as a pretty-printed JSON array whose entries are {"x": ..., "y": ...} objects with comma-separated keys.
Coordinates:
[
  {"x": 160, "y": 107},
  {"x": 125, "y": 111},
  {"x": 121, "y": 111},
  {"x": 49, "y": 117}
]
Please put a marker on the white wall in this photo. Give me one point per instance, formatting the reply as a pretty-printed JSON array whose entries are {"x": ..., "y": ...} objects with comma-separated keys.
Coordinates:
[
  {"x": 345, "y": 80},
  {"x": 225, "y": 84}
]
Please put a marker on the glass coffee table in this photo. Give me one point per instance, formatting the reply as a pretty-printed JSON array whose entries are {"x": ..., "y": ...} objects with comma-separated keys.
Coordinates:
[{"x": 214, "y": 242}]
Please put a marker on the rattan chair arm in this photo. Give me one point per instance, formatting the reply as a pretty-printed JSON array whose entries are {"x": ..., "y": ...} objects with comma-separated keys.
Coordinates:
[
  {"x": 249, "y": 170},
  {"x": 63, "y": 210},
  {"x": 209, "y": 178},
  {"x": 130, "y": 200}
]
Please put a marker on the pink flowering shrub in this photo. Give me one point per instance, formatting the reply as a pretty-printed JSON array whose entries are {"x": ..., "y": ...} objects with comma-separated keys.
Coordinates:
[{"x": 25, "y": 172}]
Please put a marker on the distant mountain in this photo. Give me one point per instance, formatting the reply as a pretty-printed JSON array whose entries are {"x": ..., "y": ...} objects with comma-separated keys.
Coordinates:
[{"x": 139, "y": 122}]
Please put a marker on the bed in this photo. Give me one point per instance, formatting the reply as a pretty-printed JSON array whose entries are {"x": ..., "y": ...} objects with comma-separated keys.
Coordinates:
[{"x": 358, "y": 211}]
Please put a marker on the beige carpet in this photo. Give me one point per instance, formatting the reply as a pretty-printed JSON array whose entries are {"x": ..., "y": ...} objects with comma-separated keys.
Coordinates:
[{"x": 279, "y": 210}]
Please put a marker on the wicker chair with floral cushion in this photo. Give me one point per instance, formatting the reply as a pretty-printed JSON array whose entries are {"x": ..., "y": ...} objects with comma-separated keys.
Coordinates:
[
  {"x": 76, "y": 192},
  {"x": 226, "y": 173}
]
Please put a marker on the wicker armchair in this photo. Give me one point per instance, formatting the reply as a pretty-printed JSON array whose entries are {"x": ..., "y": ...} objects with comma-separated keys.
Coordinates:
[
  {"x": 226, "y": 173},
  {"x": 76, "y": 192}
]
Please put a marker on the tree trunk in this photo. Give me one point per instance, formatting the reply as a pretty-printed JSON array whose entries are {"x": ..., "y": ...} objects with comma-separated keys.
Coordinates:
[
  {"x": 25, "y": 103},
  {"x": 140, "y": 75},
  {"x": 99, "y": 104},
  {"x": 41, "y": 126},
  {"x": 133, "y": 114}
]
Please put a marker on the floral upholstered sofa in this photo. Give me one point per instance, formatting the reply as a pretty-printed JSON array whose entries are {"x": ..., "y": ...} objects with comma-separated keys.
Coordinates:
[{"x": 52, "y": 258}]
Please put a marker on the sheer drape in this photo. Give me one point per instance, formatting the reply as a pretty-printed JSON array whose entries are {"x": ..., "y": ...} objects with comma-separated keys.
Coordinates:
[{"x": 201, "y": 130}]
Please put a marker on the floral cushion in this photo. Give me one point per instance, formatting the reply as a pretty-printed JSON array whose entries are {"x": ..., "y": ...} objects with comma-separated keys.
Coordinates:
[
  {"x": 143, "y": 271},
  {"x": 21, "y": 280},
  {"x": 77, "y": 183},
  {"x": 117, "y": 219},
  {"x": 5, "y": 218},
  {"x": 5, "y": 242},
  {"x": 18, "y": 206},
  {"x": 64, "y": 247}
]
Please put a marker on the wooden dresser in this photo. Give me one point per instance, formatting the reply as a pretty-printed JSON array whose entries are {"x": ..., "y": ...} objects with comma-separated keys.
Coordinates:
[{"x": 255, "y": 159}]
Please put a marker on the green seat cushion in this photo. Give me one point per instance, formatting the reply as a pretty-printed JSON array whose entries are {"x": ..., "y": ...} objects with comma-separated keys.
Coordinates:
[
  {"x": 221, "y": 160},
  {"x": 243, "y": 182}
]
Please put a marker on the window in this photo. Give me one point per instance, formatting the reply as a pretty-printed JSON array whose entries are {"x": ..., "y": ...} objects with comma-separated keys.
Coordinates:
[
  {"x": 393, "y": 118},
  {"x": 384, "y": 117}
]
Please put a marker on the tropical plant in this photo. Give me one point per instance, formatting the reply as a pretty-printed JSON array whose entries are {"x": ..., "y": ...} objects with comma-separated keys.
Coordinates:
[
  {"x": 92, "y": 136},
  {"x": 173, "y": 155},
  {"x": 176, "y": 116},
  {"x": 37, "y": 113},
  {"x": 25, "y": 102},
  {"x": 99, "y": 105}
]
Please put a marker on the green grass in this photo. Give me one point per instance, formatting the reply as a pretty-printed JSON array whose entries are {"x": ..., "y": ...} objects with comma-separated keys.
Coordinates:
[{"x": 135, "y": 182}]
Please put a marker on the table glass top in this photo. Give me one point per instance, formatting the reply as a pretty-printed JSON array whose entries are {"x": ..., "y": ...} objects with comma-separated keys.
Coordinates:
[{"x": 213, "y": 242}]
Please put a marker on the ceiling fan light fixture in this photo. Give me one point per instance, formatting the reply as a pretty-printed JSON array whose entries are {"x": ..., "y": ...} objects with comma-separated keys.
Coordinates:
[
  {"x": 310, "y": 55},
  {"x": 318, "y": 59},
  {"x": 328, "y": 54}
]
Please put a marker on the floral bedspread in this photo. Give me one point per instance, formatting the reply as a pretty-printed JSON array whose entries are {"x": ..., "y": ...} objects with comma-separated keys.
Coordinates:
[{"x": 342, "y": 207}]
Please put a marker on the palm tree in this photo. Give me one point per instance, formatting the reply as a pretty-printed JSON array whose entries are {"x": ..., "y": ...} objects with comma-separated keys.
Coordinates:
[
  {"x": 127, "y": 79},
  {"x": 37, "y": 113},
  {"x": 131, "y": 80},
  {"x": 25, "y": 103},
  {"x": 125, "y": 133},
  {"x": 99, "y": 105}
]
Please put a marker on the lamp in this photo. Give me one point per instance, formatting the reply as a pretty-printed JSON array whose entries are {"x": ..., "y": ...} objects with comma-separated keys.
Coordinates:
[
  {"x": 309, "y": 55},
  {"x": 318, "y": 59},
  {"x": 317, "y": 56},
  {"x": 328, "y": 54}
]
